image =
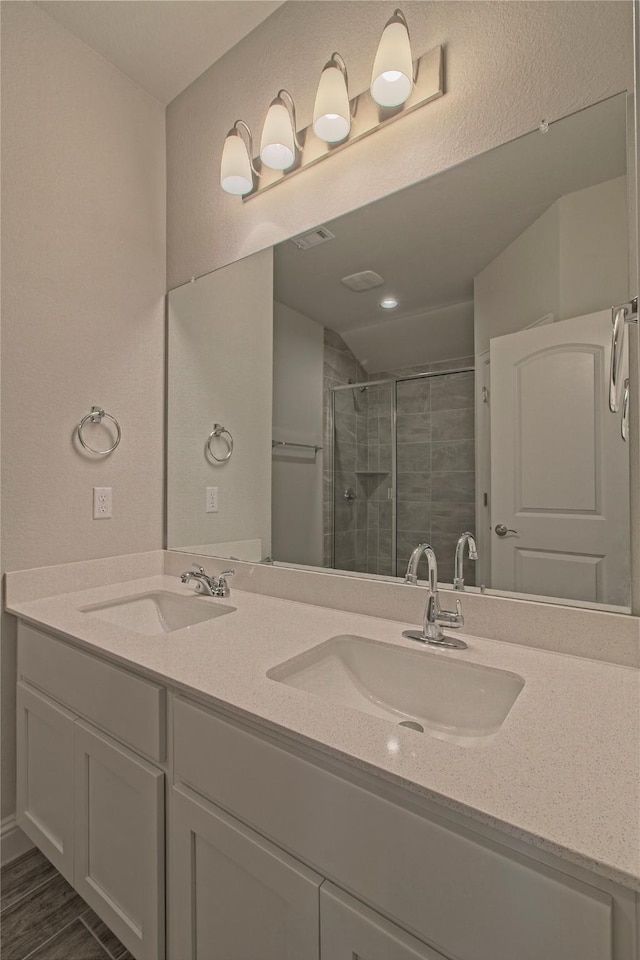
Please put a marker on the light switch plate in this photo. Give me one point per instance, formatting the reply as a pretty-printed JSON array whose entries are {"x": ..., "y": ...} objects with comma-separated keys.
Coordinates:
[{"x": 212, "y": 500}]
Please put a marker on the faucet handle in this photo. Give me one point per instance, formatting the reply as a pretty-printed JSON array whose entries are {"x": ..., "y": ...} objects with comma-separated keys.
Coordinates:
[
  {"x": 225, "y": 574},
  {"x": 450, "y": 618},
  {"x": 198, "y": 567}
]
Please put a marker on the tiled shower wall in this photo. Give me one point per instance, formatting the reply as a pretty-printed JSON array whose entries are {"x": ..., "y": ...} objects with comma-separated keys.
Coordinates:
[
  {"x": 436, "y": 465},
  {"x": 340, "y": 366}
]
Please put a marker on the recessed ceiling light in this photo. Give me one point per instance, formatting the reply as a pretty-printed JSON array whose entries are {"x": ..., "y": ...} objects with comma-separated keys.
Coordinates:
[{"x": 388, "y": 303}]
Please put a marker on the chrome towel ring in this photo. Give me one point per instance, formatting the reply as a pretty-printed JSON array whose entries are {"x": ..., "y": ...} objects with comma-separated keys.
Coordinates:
[
  {"x": 97, "y": 415},
  {"x": 220, "y": 433}
]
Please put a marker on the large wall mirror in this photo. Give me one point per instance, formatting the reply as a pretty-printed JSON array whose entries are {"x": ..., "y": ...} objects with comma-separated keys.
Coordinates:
[{"x": 434, "y": 363}]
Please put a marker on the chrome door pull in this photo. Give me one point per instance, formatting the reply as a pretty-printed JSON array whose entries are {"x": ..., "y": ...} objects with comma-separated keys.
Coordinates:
[
  {"x": 502, "y": 530},
  {"x": 624, "y": 425}
]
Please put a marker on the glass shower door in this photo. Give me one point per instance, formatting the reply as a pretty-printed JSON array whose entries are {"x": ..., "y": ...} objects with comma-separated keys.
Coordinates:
[{"x": 363, "y": 470}]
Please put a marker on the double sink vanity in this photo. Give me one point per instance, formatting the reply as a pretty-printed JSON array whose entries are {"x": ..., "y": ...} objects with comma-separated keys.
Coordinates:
[{"x": 252, "y": 776}]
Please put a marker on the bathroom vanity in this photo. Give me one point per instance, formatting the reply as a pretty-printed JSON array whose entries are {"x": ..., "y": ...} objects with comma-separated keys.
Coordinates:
[{"x": 295, "y": 825}]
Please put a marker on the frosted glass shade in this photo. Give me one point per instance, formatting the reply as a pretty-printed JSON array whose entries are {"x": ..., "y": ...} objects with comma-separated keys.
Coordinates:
[
  {"x": 392, "y": 75},
  {"x": 277, "y": 144},
  {"x": 235, "y": 170},
  {"x": 331, "y": 112}
]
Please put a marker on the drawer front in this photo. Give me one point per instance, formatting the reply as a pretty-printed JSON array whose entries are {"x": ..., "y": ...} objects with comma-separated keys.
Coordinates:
[
  {"x": 422, "y": 874},
  {"x": 130, "y": 708}
]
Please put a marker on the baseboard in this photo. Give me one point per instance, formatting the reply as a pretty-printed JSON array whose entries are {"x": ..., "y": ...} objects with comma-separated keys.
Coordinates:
[{"x": 13, "y": 842}]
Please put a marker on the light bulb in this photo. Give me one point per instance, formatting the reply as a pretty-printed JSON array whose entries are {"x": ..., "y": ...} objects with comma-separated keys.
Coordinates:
[
  {"x": 392, "y": 75},
  {"x": 389, "y": 303},
  {"x": 236, "y": 176},
  {"x": 277, "y": 144},
  {"x": 331, "y": 112}
]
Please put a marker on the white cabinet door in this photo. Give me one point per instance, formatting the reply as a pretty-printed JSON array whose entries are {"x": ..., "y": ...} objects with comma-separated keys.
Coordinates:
[
  {"x": 351, "y": 931},
  {"x": 119, "y": 840},
  {"x": 45, "y": 776},
  {"x": 234, "y": 895}
]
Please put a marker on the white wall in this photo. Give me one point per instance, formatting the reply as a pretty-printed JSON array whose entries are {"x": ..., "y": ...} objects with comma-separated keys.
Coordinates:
[
  {"x": 422, "y": 338},
  {"x": 508, "y": 65},
  {"x": 83, "y": 278},
  {"x": 594, "y": 249},
  {"x": 220, "y": 371},
  {"x": 298, "y": 360},
  {"x": 571, "y": 261}
]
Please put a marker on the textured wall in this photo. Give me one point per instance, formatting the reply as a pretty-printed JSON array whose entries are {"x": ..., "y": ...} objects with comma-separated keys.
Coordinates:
[
  {"x": 508, "y": 65},
  {"x": 83, "y": 278}
]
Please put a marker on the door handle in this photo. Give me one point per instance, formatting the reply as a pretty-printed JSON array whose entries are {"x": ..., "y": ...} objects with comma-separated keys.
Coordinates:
[{"x": 502, "y": 530}]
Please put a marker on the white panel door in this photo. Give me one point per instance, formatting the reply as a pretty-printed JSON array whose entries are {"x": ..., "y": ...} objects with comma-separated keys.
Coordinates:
[
  {"x": 351, "y": 931},
  {"x": 45, "y": 776},
  {"x": 234, "y": 895},
  {"x": 119, "y": 840},
  {"x": 559, "y": 466}
]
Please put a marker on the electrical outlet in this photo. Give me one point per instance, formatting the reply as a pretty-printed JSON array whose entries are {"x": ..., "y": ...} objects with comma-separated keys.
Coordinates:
[
  {"x": 212, "y": 500},
  {"x": 102, "y": 503}
]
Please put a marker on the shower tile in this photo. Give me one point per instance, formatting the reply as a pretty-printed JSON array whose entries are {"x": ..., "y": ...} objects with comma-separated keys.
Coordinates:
[
  {"x": 385, "y": 566},
  {"x": 384, "y": 456},
  {"x": 382, "y": 485},
  {"x": 384, "y": 430},
  {"x": 413, "y": 427},
  {"x": 453, "y": 364},
  {"x": 384, "y": 544},
  {"x": 448, "y": 455},
  {"x": 345, "y": 515},
  {"x": 453, "y": 392},
  {"x": 453, "y": 486},
  {"x": 345, "y": 547},
  {"x": 385, "y": 513},
  {"x": 345, "y": 428},
  {"x": 373, "y": 514},
  {"x": 345, "y": 457},
  {"x": 414, "y": 486},
  {"x": 413, "y": 515},
  {"x": 413, "y": 457},
  {"x": 372, "y": 429},
  {"x": 361, "y": 429},
  {"x": 467, "y": 516},
  {"x": 407, "y": 540},
  {"x": 362, "y": 456},
  {"x": 344, "y": 402},
  {"x": 414, "y": 397},
  {"x": 453, "y": 424}
]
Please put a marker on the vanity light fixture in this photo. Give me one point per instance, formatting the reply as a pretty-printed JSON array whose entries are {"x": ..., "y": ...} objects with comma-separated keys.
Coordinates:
[
  {"x": 392, "y": 75},
  {"x": 332, "y": 111},
  {"x": 279, "y": 142},
  {"x": 389, "y": 303},
  {"x": 398, "y": 86},
  {"x": 237, "y": 169}
]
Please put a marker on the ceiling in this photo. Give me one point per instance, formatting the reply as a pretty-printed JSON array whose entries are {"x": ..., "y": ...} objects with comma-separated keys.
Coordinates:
[
  {"x": 430, "y": 240},
  {"x": 163, "y": 45}
]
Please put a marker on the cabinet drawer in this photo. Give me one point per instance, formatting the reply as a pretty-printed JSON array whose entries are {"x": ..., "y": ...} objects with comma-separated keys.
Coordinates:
[
  {"x": 130, "y": 708},
  {"x": 422, "y": 873}
]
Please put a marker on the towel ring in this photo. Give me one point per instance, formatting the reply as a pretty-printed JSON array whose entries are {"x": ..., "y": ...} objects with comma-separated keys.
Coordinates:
[
  {"x": 97, "y": 415},
  {"x": 220, "y": 432}
]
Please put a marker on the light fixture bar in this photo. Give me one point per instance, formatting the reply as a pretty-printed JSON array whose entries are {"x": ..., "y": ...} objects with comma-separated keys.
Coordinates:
[{"x": 367, "y": 117}]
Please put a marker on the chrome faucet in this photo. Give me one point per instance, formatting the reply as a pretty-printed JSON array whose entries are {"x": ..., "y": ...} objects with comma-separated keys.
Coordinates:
[
  {"x": 208, "y": 586},
  {"x": 458, "y": 577},
  {"x": 434, "y": 616}
]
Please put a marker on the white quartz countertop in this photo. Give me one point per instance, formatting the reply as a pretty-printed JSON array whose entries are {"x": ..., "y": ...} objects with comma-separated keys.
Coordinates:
[{"x": 562, "y": 773}]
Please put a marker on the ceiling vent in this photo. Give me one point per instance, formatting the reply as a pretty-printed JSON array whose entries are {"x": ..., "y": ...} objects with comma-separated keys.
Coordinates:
[
  {"x": 308, "y": 240},
  {"x": 365, "y": 280}
]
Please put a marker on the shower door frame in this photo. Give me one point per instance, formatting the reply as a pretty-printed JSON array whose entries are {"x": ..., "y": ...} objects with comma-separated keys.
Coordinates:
[{"x": 393, "y": 382}]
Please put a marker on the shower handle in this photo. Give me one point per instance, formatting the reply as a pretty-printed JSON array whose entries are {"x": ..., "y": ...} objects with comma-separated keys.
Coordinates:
[{"x": 349, "y": 495}]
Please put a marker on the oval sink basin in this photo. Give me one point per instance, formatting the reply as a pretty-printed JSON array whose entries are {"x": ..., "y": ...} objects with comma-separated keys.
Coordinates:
[
  {"x": 452, "y": 700},
  {"x": 158, "y": 612}
]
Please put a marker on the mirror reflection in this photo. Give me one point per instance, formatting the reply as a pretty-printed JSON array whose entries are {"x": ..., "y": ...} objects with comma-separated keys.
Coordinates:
[{"x": 433, "y": 364}]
